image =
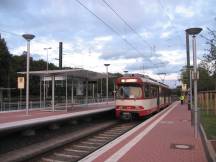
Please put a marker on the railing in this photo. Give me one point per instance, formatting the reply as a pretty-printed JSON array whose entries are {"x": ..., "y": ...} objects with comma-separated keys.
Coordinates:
[
  {"x": 207, "y": 101},
  {"x": 207, "y": 105},
  {"x": 17, "y": 106}
]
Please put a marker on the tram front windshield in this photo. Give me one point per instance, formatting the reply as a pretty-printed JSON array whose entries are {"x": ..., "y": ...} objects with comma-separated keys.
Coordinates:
[{"x": 129, "y": 91}]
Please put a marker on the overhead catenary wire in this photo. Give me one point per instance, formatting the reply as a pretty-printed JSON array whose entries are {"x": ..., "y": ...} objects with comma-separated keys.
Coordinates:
[
  {"x": 111, "y": 28},
  {"x": 152, "y": 47},
  {"x": 126, "y": 23},
  {"x": 129, "y": 26},
  {"x": 164, "y": 10},
  {"x": 107, "y": 25},
  {"x": 12, "y": 33}
]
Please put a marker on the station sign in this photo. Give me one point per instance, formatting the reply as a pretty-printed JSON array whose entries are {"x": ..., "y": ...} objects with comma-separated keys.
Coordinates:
[
  {"x": 21, "y": 82},
  {"x": 128, "y": 80},
  {"x": 184, "y": 87}
]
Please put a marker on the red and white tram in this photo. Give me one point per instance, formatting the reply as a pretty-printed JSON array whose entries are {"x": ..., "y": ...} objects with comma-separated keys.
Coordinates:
[{"x": 139, "y": 95}]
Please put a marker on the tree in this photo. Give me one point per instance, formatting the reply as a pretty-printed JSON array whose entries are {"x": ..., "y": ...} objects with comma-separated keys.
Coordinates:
[
  {"x": 5, "y": 64},
  {"x": 205, "y": 81},
  {"x": 210, "y": 56}
]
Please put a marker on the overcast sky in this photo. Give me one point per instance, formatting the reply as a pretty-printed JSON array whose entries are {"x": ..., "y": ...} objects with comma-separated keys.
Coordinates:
[{"x": 154, "y": 43}]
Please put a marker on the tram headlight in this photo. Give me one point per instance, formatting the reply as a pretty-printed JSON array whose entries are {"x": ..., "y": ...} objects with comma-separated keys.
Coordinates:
[{"x": 123, "y": 80}]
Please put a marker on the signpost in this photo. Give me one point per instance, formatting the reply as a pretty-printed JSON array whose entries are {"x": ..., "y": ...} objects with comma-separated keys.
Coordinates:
[{"x": 21, "y": 85}]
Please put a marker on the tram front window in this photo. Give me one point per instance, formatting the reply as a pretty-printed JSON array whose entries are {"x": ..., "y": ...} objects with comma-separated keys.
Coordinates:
[{"x": 125, "y": 92}]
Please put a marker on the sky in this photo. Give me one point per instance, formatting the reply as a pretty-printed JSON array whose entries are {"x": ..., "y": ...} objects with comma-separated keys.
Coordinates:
[{"x": 138, "y": 36}]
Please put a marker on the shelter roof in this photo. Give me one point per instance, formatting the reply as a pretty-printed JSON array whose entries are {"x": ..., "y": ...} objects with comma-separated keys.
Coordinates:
[{"x": 76, "y": 73}]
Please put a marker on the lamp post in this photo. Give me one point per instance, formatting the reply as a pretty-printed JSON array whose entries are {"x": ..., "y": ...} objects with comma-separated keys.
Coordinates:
[
  {"x": 125, "y": 72},
  {"x": 107, "y": 86},
  {"x": 188, "y": 65},
  {"x": 194, "y": 32},
  {"x": 191, "y": 95},
  {"x": 28, "y": 38},
  {"x": 46, "y": 84},
  {"x": 47, "y": 55}
]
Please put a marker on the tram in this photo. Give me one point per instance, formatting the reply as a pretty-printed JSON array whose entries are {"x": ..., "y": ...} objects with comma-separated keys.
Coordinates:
[{"x": 139, "y": 95}]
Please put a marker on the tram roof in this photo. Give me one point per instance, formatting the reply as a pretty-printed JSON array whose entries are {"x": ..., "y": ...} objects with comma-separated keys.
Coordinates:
[
  {"x": 76, "y": 73},
  {"x": 145, "y": 78}
]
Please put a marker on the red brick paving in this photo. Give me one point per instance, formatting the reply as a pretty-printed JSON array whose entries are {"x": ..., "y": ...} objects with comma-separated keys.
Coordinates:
[
  {"x": 6, "y": 117},
  {"x": 175, "y": 128}
]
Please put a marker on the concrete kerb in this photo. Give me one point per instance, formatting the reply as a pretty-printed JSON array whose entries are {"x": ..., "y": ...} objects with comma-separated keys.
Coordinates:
[
  {"x": 23, "y": 124},
  {"x": 211, "y": 154}
]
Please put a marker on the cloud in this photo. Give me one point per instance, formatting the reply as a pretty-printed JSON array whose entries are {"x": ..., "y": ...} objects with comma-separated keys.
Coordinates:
[
  {"x": 146, "y": 64},
  {"x": 165, "y": 34},
  {"x": 36, "y": 56},
  {"x": 123, "y": 54},
  {"x": 87, "y": 41},
  {"x": 184, "y": 11}
]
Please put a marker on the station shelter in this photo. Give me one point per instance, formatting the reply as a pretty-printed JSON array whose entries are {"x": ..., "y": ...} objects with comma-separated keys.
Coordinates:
[{"x": 75, "y": 81}]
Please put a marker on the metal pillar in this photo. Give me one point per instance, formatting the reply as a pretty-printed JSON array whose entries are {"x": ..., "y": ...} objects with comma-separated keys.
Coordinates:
[
  {"x": 195, "y": 85},
  {"x": 194, "y": 32},
  {"x": 28, "y": 38},
  {"x": 66, "y": 93},
  {"x": 60, "y": 54},
  {"x": 87, "y": 92},
  {"x": 114, "y": 91},
  {"x": 93, "y": 90},
  {"x": 20, "y": 98},
  {"x": 188, "y": 65},
  {"x": 44, "y": 91},
  {"x": 191, "y": 98},
  {"x": 40, "y": 93},
  {"x": 97, "y": 91},
  {"x": 27, "y": 78},
  {"x": 107, "y": 83},
  {"x": 72, "y": 94},
  {"x": 53, "y": 93},
  {"x": 101, "y": 87}
]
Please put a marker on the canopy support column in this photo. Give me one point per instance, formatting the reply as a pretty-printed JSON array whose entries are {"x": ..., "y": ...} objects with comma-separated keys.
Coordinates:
[
  {"x": 40, "y": 93},
  {"x": 101, "y": 87},
  {"x": 53, "y": 93},
  {"x": 93, "y": 91},
  {"x": 72, "y": 92},
  {"x": 44, "y": 93},
  {"x": 87, "y": 92},
  {"x": 66, "y": 93}
]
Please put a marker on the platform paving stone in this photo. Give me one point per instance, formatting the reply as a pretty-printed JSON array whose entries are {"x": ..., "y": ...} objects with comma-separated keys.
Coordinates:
[{"x": 170, "y": 140}]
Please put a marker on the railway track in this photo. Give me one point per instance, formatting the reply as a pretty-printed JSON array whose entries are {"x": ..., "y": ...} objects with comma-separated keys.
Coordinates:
[{"x": 79, "y": 149}]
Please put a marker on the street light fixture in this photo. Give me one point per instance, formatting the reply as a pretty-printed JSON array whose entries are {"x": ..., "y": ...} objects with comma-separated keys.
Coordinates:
[
  {"x": 194, "y": 32},
  {"x": 47, "y": 55},
  {"x": 107, "y": 86},
  {"x": 28, "y": 38},
  {"x": 125, "y": 72}
]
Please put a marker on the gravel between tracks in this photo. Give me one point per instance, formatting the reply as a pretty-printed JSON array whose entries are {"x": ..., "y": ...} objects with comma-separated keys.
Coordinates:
[{"x": 41, "y": 147}]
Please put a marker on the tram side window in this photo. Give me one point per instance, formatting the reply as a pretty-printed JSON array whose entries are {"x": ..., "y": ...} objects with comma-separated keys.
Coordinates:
[
  {"x": 153, "y": 91},
  {"x": 147, "y": 90},
  {"x": 162, "y": 92}
]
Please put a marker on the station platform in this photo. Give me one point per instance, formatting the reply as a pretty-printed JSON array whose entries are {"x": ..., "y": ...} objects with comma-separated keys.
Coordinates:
[
  {"x": 11, "y": 121},
  {"x": 165, "y": 137}
]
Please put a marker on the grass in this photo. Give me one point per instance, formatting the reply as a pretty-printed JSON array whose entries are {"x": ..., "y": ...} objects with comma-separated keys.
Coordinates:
[{"x": 209, "y": 123}]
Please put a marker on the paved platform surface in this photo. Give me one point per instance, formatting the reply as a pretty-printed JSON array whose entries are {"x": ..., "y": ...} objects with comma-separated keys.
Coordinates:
[
  {"x": 155, "y": 140},
  {"x": 12, "y": 120}
]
